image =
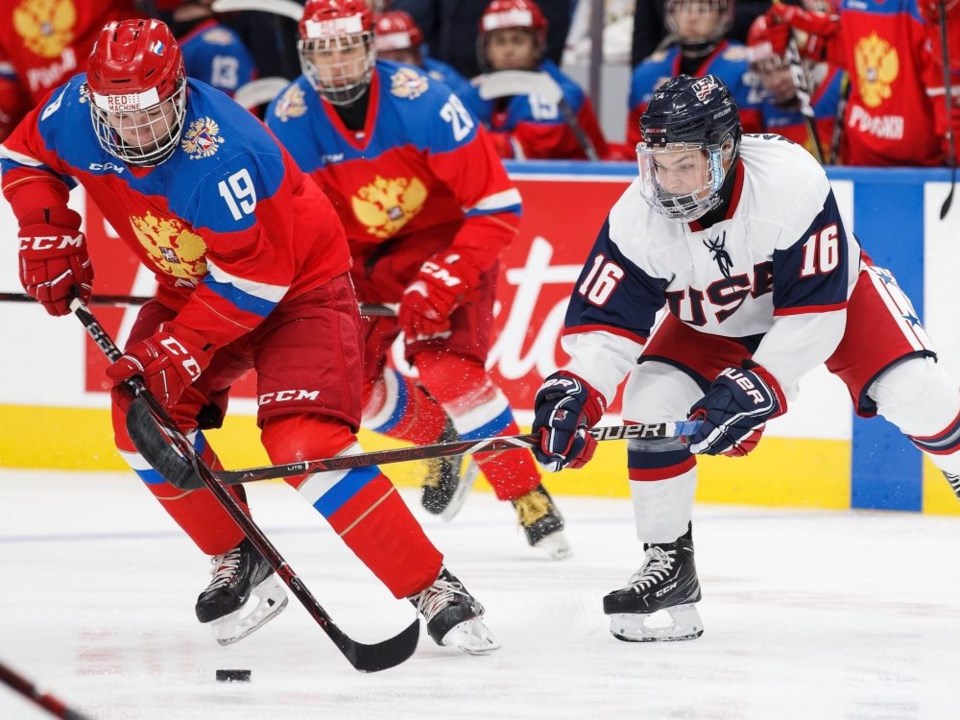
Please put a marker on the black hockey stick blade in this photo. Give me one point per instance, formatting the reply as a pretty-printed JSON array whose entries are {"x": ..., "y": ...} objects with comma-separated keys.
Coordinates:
[
  {"x": 155, "y": 447},
  {"x": 365, "y": 658}
]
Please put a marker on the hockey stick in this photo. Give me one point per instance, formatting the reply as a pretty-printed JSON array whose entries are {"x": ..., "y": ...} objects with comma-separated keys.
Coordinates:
[
  {"x": 801, "y": 81},
  {"x": 365, "y": 658},
  {"x": 153, "y": 442},
  {"x": 505, "y": 83},
  {"x": 48, "y": 702},
  {"x": 260, "y": 91},
  {"x": 366, "y": 309},
  {"x": 948, "y": 107},
  {"x": 284, "y": 8}
]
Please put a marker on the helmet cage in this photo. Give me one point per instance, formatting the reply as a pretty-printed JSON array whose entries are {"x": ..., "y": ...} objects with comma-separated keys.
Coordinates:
[
  {"x": 339, "y": 80},
  {"x": 691, "y": 205},
  {"x": 141, "y": 129}
]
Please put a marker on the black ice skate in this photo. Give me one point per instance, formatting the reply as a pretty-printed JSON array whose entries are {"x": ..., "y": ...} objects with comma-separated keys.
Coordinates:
[
  {"x": 243, "y": 595},
  {"x": 542, "y": 523},
  {"x": 954, "y": 481},
  {"x": 454, "y": 617},
  {"x": 448, "y": 480},
  {"x": 667, "y": 581}
]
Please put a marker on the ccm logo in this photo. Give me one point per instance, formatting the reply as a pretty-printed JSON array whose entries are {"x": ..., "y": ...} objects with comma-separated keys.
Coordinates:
[
  {"x": 51, "y": 242},
  {"x": 288, "y": 395}
]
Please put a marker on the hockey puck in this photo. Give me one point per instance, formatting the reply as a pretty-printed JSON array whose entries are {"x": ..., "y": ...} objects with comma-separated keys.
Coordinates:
[{"x": 233, "y": 676}]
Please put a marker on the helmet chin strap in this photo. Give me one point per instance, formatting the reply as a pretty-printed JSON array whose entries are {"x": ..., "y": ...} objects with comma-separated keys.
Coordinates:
[{"x": 725, "y": 194}]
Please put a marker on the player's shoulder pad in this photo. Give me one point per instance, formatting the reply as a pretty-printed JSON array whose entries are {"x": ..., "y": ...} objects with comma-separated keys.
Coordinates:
[
  {"x": 408, "y": 84},
  {"x": 220, "y": 35},
  {"x": 735, "y": 52},
  {"x": 790, "y": 176},
  {"x": 290, "y": 104}
]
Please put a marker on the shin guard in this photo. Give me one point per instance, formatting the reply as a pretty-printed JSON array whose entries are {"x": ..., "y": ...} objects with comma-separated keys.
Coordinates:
[{"x": 361, "y": 504}]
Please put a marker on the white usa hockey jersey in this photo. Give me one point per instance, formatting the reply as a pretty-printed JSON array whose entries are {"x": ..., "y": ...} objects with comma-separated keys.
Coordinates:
[{"x": 779, "y": 265}]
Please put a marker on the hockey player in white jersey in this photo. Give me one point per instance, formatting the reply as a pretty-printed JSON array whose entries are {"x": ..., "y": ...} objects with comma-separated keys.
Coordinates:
[{"x": 740, "y": 238}]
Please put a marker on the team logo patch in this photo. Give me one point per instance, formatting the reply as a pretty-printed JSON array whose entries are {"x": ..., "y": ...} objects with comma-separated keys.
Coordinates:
[
  {"x": 408, "y": 83},
  {"x": 878, "y": 66},
  {"x": 202, "y": 139},
  {"x": 47, "y": 28},
  {"x": 386, "y": 205},
  {"x": 291, "y": 104},
  {"x": 172, "y": 247},
  {"x": 704, "y": 87}
]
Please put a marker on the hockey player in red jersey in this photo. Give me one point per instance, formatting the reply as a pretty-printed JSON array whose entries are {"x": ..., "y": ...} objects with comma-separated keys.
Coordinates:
[
  {"x": 428, "y": 207},
  {"x": 780, "y": 108},
  {"x": 252, "y": 266},
  {"x": 888, "y": 51},
  {"x": 513, "y": 36},
  {"x": 44, "y": 43},
  {"x": 739, "y": 238}
]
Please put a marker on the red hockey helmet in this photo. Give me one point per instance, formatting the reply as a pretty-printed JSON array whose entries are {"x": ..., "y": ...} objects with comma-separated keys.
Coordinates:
[
  {"x": 397, "y": 30},
  {"x": 508, "y": 14},
  {"x": 137, "y": 90},
  {"x": 502, "y": 14},
  {"x": 336, "y": 48}
]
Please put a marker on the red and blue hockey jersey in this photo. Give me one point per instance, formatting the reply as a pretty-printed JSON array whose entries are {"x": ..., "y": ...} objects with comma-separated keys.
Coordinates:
[
  {"x": 216, "y": 55},
  {"x": 229, "y": 224},
  {"x": 421, "y": 176}
]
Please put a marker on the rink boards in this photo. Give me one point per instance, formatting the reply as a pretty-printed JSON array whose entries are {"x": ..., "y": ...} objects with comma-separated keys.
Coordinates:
[{"x": 53, "y": 404}]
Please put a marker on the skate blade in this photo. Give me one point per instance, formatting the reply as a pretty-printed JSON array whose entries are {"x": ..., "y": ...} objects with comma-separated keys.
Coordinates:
[
  {"x": 685, "y": 624},
  {"x": 266, "y": 601},
  {"x": 472, "y": 637},
  {"x": 555, "y": 545},
  {"x": 459, "y": 497}
]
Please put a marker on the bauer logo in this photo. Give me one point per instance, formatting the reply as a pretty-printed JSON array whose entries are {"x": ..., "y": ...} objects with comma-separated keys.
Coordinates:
[{"x": 288, "y": 396}]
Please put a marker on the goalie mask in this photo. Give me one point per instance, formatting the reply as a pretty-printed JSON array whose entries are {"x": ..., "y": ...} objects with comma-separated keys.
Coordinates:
[
  {"x": 336, "y": 48},
  {"x": 137, "y": 89},
  {"x": 691, "y": 138}
]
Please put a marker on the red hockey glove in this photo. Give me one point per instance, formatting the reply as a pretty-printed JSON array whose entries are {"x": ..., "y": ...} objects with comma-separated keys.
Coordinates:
[
  {"x": 438, "y": 289},
  {"x": 734, "y": 410},
  {"x": 168, "y": 362},
  {"x": 564, "y": 408},
  {"x": 819, "y": 24},
  {"x": 54, "y": 263}
]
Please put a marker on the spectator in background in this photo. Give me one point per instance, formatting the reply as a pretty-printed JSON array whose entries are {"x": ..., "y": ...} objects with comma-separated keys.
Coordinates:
[
  {"x": 525, "y": 126},
  {"x": 212, "y": 52},
  {"x": 780, "y": 107},
  {"x": 701, "y": 48},
  {"x": 650, "y": 28},
  {"x": 398, "y": 39},
  {"x": 450, "y": 27},
  {"x": 895, "y": 112},
  {"x": 44, "y": 44}
]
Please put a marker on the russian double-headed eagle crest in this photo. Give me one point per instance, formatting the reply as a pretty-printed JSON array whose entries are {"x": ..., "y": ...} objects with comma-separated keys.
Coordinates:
[
  {"x": 878, "y": 66},
  {"x": 386, "y": 205},
  {"x": 172, "y": 247},
  {"x": 408, "y": 83},
  {"x": 46, "y": 26},
  {"x": 291, "y": 104},
  {"x": 202, "y": 139}
]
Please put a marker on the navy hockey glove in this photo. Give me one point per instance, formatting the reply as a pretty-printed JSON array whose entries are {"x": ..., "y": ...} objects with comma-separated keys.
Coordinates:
[
  {"x": 564, "y": 408},
  {"x": 734, "y": 410}
]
